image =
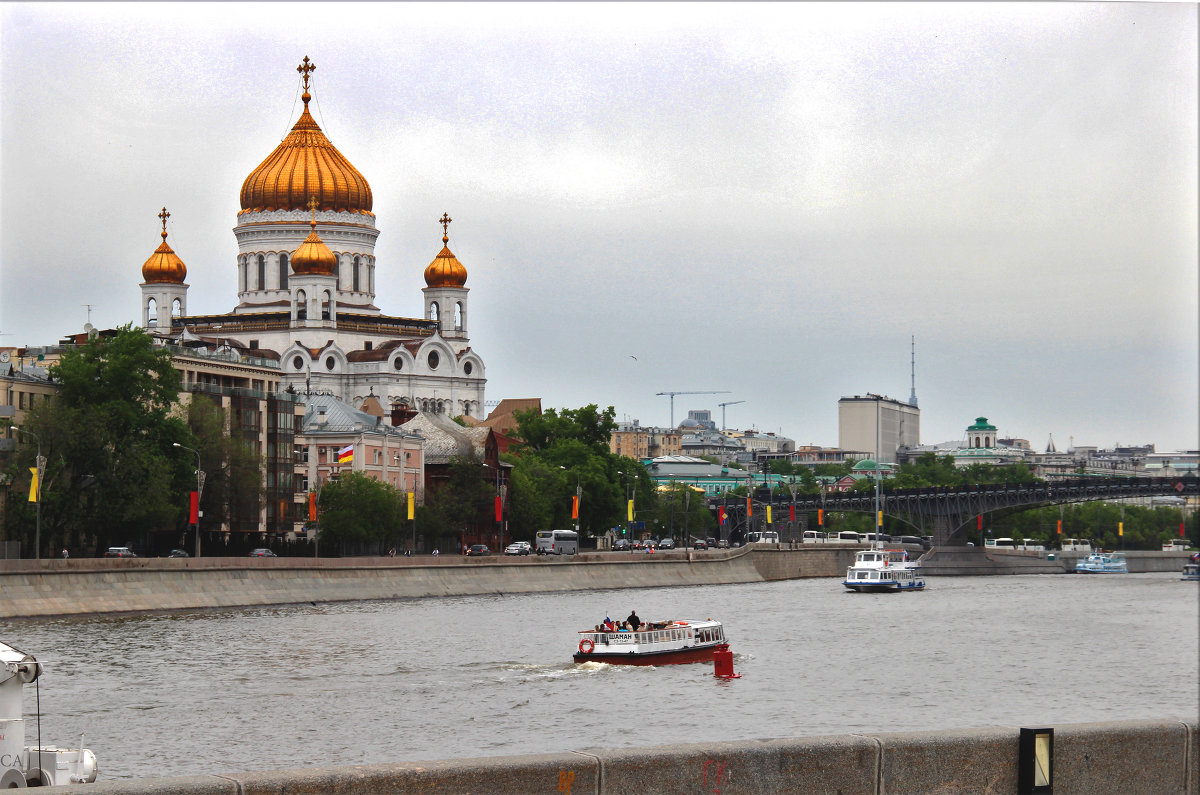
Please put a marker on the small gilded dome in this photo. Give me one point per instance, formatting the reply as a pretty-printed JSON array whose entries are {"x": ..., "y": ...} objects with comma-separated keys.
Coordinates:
[
  {"x": 313, "y": 256},
  {"x": 164, "y": 265},
  {"x": 306, "y": 164},
  {"x": 445, "y": 270}
]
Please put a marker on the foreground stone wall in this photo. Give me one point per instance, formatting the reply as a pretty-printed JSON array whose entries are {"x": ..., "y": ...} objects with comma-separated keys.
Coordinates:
[
  {"x": 1094, "y": 758},
  {"x": 94, "y": 586}
]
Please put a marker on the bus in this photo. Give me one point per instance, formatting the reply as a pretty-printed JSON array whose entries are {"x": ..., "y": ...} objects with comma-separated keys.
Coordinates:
[
  {"x": 763, "y": 537},
  {"x": 557, "y": 542}
]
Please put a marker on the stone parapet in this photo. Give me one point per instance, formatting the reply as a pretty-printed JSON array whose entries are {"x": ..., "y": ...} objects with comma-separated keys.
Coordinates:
[{"x": 1094, "y": 758}]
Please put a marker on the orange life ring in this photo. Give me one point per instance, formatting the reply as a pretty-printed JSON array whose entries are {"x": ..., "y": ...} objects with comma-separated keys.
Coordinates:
[{"x": 588, "y": 643}]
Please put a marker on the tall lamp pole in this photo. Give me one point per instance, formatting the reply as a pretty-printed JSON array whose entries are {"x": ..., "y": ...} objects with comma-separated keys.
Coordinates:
[
  {"x": 199, "y": 489},
  {"x": 578, "y": 499},
  {"x": 41, "y": 472}
]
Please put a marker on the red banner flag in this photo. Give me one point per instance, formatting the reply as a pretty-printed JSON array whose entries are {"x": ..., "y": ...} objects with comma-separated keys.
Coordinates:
[
  {"x": 1181, "y": 529},
  {"x": 749, "y": 508},
  {"x": 820, "y": 517},
  {"x": 194, "y": 508},
  {"x": 574, "y": 507},
  {"x": 721, "y": 515},
  {"x": 499, "y": 509},
  {"x": 792, "y": 513},
  {"x": 979, "y": 522},
  {"x": 312, "y": 506}
]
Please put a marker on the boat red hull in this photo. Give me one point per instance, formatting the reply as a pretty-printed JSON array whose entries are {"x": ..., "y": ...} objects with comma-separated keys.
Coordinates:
[{"x": 673, "y": 657}]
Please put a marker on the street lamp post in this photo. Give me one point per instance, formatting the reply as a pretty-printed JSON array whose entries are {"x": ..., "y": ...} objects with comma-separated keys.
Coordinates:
[
  {"x": 41, "y": 472},
  {"x": 500, "y": 498},
  {"x": 199, "y": 489}
]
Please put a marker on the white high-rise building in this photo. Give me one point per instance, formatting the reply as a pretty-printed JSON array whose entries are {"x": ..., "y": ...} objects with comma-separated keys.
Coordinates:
[{"x": 878, "y": 423}]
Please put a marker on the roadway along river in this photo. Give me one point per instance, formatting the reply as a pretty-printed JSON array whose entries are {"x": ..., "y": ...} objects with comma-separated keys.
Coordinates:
[{"x": 367, "y": 682}]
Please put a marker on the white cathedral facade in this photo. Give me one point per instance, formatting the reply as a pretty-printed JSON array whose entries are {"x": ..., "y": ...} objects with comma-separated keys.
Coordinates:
[{"x": 306, "y": 290}]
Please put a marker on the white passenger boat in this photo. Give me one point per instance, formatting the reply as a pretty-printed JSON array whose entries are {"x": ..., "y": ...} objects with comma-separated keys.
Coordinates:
[
  {"x": 1191, "y": 572},
  {"x": 881, "y": 569},
  {"x": 32, "y": 765},
  {"x": 654, "y": 643},
  {"x": 1103, "y": 563}
]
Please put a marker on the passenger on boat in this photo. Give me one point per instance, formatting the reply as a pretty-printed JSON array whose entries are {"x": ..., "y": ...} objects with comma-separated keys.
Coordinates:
[{"x": 633, "y": 621}]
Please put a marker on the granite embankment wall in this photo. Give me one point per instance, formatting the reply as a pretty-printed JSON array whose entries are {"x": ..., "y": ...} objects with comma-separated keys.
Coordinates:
[
  {"x": 44, "y": 588},
  {"x": 968, "y": 561},
  {"x": 1157, "y": 757}
]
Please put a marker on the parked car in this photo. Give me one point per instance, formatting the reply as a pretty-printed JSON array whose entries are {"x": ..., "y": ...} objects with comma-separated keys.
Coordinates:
[
  {"x": 622, "y": 545},
  {"x": 666, "y": 543},
  {"x": 178, "y": 553},
  {"x": 518, "y": 548},
  {"x": 699, "y": 543},
  {"x": 478, "y": 550},
  {"x": 119, "y": 552},
  {"x": 723, "y": 544},
  {"x": 262, "y": 553}
]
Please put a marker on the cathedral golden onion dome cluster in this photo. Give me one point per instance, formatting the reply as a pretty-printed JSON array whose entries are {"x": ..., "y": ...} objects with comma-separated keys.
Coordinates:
[
  {"x": 164, "y": 265},
  {"x": 304, "y": 165},
  {"x": 445, "y": 270},
  {"x": 313, "y": 256}
]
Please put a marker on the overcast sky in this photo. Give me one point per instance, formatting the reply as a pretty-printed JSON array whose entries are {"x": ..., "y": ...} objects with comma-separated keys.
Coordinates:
[{"x": 765, "y": 199}]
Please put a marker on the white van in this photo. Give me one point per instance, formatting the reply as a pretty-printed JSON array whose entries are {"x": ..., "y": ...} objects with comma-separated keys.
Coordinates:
[
  {"x": 813, "y": 537},
  {"x": 1031, "y": 545},
  {"x": 557, "y": 542},
  {"x": 1076, "y": 545},
  {"x": 846, "y": 537},
  {"x": 1004, "y": 543}
]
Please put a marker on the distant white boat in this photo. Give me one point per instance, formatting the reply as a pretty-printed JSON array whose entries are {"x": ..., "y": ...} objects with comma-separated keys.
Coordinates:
[
  {"x": 1103, "y": 563},
  {"x": 883, "y": 570}
]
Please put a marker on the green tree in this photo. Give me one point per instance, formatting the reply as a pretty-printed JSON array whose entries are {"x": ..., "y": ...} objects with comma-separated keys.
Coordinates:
[
  {"x": 359, "y": 512},
  {"x": 112, "y": 475},
  {"x": 232, "y": 467}
]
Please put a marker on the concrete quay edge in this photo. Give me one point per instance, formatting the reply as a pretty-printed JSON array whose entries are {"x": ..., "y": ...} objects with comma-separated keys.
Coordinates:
[{"x": 1112, "y": 758}]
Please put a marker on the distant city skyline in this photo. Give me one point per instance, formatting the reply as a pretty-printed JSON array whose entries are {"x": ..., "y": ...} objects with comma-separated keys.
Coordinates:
[{"x": 769, "y": 199}]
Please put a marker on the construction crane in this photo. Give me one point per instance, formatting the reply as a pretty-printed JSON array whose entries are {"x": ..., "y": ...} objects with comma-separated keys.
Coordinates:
[
  {"x": 723, "y": 405},
  {"x": 693, "y": 392}
]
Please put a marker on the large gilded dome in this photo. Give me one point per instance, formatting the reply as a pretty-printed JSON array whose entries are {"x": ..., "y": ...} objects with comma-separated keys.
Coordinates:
[
  {"x": 445, "y": 270},
  {"x": 304, "y": 165},
  {"x": 164, "y": 265}
]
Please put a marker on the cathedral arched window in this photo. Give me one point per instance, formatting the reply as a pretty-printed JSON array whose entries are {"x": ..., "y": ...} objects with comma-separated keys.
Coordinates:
[
  {"x": 151, "y": 313},
  {"x": 326, "y": 305},
  {"x": 283, "y": 271},
  {"x": 356, "y": 274},
  {"x": 242, "y": 274},
  {"x": 301, "y": 305},
  {"x": 176, "y": 308},
  {"x": 262, "y": 272},
  {"x": 458, "y": 316},
  {"x": 338, "y": 274}
]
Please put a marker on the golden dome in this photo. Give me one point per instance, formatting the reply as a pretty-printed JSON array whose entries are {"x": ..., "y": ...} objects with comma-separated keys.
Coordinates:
[
  {"x": 306, "y": 164},
  {"x": 445, "y": 270},
  {"x": 313, "y": 256},
  {"x": 164, "y": 265}
]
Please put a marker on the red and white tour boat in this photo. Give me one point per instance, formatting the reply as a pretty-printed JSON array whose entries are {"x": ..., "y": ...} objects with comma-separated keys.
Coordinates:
[{"x": 654, "y": 643}]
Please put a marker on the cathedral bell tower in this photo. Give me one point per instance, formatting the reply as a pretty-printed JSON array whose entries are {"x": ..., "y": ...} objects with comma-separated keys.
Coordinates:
[
  {"x": 164, "y": 294},
  {"x": 446, "y": 293}
]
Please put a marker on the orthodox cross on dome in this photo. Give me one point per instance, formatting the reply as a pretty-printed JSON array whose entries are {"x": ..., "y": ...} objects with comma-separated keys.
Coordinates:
[
  {"x": 445, "y": 222},
  {"x": 305, "y": 68},
  {"x": 163, "y": 216},
  {"x": 312, "y": 205}
]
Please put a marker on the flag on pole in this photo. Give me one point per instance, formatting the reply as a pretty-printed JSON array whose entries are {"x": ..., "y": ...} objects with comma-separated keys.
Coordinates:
[
  {"x": 879, "y": 519},
  {"x": 749, "y": 507},
  {"x": 630, "y": 511},
  {"x": 791, "y": 513},
  {"x": 721, "y": 518},
  {"x": 768, "y": 514},
  {"x": 1120, "y": 528},
  {"x": 346, "y": 454},
  {"x": 979, "y": 522},
  {"x": 499, "y": 509},
  {"x": 820, "y": 517},
  {"x": 1181, "y": 529},
  {"x": 574, "y": 507},
  {"x": 33, "y": 485},
  {"x": 1060, "y": 526},
  {"x": 411, "y": 503},
  {"x": 194, "y": 508}
]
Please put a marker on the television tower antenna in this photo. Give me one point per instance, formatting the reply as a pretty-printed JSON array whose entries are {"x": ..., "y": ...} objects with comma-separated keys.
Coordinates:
[{"x": 912, "y": 396}]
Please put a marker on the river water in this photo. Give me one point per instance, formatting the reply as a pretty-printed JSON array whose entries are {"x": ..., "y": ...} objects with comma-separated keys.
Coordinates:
[{"x": 371, "y": 682}]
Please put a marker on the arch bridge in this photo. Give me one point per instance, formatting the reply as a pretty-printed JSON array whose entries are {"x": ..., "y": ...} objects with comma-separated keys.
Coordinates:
[{"x": 948, "y": 510}]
